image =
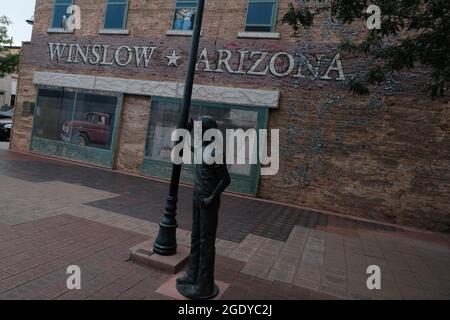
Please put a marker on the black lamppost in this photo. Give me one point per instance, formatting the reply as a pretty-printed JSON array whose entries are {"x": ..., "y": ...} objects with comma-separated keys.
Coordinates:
[{"x": 166, "y": 242}]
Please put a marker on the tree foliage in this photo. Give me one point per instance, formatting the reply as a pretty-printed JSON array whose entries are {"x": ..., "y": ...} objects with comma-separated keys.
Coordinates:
[
  {"x": 413, "y": 34},
  {"x": 8, "y": 61}
]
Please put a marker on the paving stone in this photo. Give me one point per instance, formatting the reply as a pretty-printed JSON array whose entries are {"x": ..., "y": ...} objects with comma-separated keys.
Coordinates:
[
  {"x": 285, "y": 275},
  {"x": 307, "y": 283},
  {"x": 310, "y": 273},
  {"x": 335, "y": 291},
  {"x": 357, "y": 289},
  {"x": 334, "y": 280},
  {"x": 389, "y": 291}
]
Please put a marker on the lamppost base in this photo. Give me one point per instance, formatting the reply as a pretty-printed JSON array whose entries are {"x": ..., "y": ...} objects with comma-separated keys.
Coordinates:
[
  {"x": 164, "y": 251},
  {"x": 166, "y": 242},
  {"x": 143, "y": 254}
]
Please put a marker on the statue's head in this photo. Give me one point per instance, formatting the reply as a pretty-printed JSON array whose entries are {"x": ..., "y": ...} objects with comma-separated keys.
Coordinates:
[{"x": 207, "y": 123}]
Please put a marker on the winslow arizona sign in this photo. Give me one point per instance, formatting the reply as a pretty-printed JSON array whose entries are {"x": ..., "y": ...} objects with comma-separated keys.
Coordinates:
[{"x": 241, "y": 62}]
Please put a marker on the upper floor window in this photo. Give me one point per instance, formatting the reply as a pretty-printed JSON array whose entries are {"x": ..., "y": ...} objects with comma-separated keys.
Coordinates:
[
  {"x": 185, "y": 11},
  {"x": 60, "y": 14},
  {"x": 261, "y": 15},
  {"x": 116, "y": 14}
]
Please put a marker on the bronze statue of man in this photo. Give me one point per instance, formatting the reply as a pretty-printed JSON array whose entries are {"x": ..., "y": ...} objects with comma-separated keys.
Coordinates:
[{"x": 210, "y": 182}]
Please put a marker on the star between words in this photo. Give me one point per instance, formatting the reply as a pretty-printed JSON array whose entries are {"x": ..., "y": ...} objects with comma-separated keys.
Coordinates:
[{"x": 253, "y": 63}]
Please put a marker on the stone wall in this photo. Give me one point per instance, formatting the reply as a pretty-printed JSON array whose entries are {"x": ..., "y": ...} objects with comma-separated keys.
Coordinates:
[
  {"x": 132, "y": 133},
  {"x": 25, "y": 99},
  {"x": 383, "y": 157}
]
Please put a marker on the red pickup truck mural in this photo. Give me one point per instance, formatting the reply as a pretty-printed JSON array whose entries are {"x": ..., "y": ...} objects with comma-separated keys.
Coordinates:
[{"x": 95, "y": 130}]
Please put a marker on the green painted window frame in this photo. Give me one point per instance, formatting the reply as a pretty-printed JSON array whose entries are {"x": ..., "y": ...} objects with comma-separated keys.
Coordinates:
[
  {"x": 244, "y": 184},
  {"x": 182, "y": 4},
  {"x": 84, "y": 154},
  {"x": 67, "y": 3},
  {"x": 274, "y": 15},
  {"x": 125, "y": 15}
]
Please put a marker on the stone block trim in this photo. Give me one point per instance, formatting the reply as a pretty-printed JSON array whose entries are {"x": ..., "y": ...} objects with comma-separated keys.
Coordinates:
[
  {"x": 132, "y": 133},
  {"x": 229, "y": 95}
]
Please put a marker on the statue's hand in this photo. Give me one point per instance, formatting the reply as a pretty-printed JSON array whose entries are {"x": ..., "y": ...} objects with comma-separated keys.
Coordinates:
[{"x": 206, "y": 203}]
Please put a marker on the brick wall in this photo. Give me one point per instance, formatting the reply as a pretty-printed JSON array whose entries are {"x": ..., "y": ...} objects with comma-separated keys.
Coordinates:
[{"x": 383, "y": 157}]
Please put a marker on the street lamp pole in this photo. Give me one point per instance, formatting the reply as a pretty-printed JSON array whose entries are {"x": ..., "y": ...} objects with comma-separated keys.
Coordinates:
[{"x": 166, "y": 242}]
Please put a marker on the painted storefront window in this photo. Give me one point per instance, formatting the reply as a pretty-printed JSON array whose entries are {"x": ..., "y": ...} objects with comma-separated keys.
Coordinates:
[
  {"x": 164, "y": 116},
  {"x": 72, "y": 123}
]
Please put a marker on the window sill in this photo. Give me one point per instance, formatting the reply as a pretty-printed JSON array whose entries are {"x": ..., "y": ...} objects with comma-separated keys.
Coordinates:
[
  {"x": 124, "y": 32},
  {"x": 58, "y": 30},
  {"x": 259, "y": 35},
  {"x": 181, "y": 33}
]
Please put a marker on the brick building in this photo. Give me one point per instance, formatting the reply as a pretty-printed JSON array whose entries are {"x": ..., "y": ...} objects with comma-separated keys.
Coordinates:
[{"x": 109, "y": 94}]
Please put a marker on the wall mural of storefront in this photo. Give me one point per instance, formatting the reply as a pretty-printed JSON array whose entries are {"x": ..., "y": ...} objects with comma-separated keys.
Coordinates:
[
  {"x": 76, "y": 124},
  {"x": 81, "y": 124},
  {"x": 163, "y": 120}
]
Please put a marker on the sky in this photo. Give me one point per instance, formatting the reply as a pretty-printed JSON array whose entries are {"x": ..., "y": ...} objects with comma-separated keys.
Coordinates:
[{"x": 18, "y": 11}]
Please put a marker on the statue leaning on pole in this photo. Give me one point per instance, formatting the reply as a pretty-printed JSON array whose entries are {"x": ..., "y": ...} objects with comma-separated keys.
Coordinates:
[{"x": 210, "y": 182}]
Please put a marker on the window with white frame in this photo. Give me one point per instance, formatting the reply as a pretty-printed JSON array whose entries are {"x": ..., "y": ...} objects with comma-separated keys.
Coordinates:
[
  {"x": 116, "y": 14},
  {"x": 60, "y": 14},
  {"x": 185, "y": 11},
  {"x": 261, "y": 15}
]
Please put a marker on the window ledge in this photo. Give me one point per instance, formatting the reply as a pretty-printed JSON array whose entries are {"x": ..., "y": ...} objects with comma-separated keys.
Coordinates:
[
  {"x": 58, "y": 30},
  {"x": 181, "y": 33},
  {"x": 259, "y": 35},
  {"x": 114, "y": 31}
]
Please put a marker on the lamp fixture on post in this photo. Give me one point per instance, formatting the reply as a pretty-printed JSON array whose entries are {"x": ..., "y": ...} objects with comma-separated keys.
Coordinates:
[{"x": 30, "y": 21}]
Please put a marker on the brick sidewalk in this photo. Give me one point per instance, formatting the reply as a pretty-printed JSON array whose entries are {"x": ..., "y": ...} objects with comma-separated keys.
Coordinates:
[
  {"x": 54, "y": 214},
  {"x": 36, "y": 254}
]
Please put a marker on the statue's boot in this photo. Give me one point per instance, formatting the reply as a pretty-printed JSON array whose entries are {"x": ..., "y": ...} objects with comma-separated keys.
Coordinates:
[
  {"x": 190, "y": 277},
  {"x": 191, "y": 273},
  {"x": 195, "y": 292},
  {"x": 204, "y": 288}
]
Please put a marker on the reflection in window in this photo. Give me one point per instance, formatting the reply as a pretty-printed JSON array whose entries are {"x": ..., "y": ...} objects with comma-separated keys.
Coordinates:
[
  {"x": 116, "y": 14},
  {"x": 261, "y": 15},
  {"x": 76, "y": 117},
  {"x": 60, "y": 15},
  {"x": 163, "y": 120},
  {"x": 185, "y": 14}
]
